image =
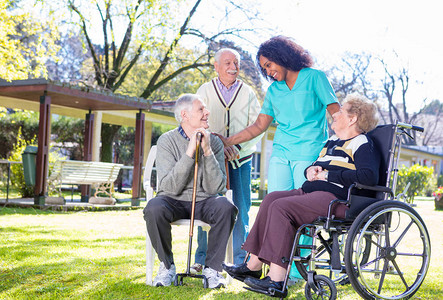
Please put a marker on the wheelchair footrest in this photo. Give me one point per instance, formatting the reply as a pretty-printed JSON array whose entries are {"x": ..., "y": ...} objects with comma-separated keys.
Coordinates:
[
  {"x": 270, "y": 292},
  {"x": 344, "y": 281}
]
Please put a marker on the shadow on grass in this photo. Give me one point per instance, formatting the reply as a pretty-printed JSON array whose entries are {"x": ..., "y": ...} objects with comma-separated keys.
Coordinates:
[{"x": 26, "y": 211}]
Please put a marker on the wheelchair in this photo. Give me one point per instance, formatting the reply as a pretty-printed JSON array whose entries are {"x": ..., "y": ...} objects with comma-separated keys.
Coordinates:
[{"x": 382, "y": 247}]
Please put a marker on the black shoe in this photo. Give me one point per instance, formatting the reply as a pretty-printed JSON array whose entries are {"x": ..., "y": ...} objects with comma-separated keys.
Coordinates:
[
  {"x": 241, "y": 271},
  {"x": 266, "y": 286}
]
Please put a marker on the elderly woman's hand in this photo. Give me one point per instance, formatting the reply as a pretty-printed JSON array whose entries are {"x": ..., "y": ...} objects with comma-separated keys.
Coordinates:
[{"x": 312, "y": 172}]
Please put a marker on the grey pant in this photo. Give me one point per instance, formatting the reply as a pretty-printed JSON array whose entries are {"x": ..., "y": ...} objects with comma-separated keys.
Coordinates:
[{"x": 218, "y": 212}]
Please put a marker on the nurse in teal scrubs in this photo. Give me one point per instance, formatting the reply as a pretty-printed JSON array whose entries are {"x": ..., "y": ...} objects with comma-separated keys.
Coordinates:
[{"x": 297, "y": 101}]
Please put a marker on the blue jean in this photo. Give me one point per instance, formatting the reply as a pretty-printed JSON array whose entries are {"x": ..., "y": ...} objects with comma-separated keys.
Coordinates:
[{"x": 240, "y": 184}]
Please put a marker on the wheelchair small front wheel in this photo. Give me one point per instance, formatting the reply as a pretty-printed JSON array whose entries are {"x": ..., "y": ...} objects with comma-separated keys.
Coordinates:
[{"x": 324, "y": 288}]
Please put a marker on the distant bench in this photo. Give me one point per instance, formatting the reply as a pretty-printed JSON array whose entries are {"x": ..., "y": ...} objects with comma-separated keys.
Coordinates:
[{"x": 100, "y": 175}]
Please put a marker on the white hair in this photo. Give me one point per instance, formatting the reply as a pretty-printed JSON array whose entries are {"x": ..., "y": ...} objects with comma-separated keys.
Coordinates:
[
  {"x": 184, "y": 102},
  {"x": 219, "y": 53}
]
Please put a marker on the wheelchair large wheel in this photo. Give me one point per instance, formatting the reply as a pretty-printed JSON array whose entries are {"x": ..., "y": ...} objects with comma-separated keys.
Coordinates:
[{"x": 400, "y": 252}]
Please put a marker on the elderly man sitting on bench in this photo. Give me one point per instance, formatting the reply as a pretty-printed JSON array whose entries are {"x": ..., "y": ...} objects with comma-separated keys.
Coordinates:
[{"x": 175, "y": 168}]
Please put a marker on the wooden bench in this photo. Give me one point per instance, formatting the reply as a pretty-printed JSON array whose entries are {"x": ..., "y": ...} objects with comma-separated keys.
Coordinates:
[{"x": 100, "y": 175}]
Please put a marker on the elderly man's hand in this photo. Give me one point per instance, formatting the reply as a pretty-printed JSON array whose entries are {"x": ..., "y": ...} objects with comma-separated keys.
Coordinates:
[
  {"x": 205, "y": 142},
  {"x": 231, "y": 153}
]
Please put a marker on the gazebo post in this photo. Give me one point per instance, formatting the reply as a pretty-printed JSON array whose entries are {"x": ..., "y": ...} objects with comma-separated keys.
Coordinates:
[
  {"x": 42, "y": 159},
  {"x": 87, "y": 152},
  {"x": 138, "y": 158}
]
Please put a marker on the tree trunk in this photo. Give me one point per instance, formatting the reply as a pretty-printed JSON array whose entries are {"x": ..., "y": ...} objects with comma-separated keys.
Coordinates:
[{"x": 108, "y": 134}]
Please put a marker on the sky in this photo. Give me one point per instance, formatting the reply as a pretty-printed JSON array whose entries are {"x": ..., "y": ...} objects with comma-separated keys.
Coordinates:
[{"x": 328, "y": 28}]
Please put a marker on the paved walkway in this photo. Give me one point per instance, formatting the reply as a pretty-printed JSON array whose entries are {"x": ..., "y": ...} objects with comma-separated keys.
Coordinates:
[{"x": 69, "y": 205}]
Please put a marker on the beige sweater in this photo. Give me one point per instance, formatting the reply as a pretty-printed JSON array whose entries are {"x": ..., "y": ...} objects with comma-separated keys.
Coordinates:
[{"x": 228, "y": 119}]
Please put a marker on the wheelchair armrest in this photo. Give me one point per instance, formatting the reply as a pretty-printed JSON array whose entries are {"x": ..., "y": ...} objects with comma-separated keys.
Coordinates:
[{"x": 377, "y": 188}]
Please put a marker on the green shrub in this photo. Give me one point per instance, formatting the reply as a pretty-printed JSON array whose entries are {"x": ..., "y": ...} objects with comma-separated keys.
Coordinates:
[
  {"x": 420, "y": 178},
  {"x": 440, "y": 180},
  {"x": 17, "y": 174},
  {"x": 432, "y": 185},
  {"x": 255, "y": 185}
]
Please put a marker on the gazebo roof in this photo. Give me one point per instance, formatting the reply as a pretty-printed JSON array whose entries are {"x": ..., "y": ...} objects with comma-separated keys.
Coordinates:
[{"x": 69, "y": 95}]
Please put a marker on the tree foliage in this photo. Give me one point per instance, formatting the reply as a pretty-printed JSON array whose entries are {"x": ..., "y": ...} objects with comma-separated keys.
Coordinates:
[
  {"x": 13, "y": 121},
  {"x": 26, "y": 42},
  {"x": 153, "y": 35},
  {"x": 150, "y": 49},
  {"x": 388, "y": 81}
]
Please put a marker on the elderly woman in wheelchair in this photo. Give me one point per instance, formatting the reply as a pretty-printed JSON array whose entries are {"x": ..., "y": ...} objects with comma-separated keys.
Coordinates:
[
  {"x": 370, "y": 235},
  {"x": 347, "y": 157}
]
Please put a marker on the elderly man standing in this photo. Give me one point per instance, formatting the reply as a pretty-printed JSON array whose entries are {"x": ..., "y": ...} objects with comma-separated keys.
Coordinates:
[
  {"x": 233, "y": 106},
  {"x": 175, "y": 168}
]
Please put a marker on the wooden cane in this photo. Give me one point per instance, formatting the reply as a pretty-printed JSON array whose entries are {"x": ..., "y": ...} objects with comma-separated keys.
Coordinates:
[
  {"x": 227, "y": 174},
  {"x": 194, "y": 196}
]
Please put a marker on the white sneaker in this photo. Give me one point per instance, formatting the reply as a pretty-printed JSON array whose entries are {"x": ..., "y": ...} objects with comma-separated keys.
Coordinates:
[
  {"x": 164, "y": 276},
  {"x": 215, "y": 279},
  {"x": 196, "y": 268}
]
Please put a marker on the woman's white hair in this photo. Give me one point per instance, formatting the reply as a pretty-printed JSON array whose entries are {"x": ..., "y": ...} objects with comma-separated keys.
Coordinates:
[
  {"x": 219, "y": 53},
  {"x": 184, "y": 102}
]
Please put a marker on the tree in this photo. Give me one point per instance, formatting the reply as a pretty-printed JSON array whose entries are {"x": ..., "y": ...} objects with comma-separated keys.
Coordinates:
[
  {"x": 150, "y": 35},
  {"x": 26, "y": 42},
  {"x": 430, "y": 120},
  {"x": 350, "y": 75},
  {"x": 71, "y": 55},
  {"x": 398, "y": 80},
  {"x": 387, "y": 81},
  {"x": 69, "y": 134},
  {"x": 12, "y": 122}
]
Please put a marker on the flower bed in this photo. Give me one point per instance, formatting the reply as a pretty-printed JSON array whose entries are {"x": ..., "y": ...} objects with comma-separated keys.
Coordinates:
[{"x": 438, "y": 195}]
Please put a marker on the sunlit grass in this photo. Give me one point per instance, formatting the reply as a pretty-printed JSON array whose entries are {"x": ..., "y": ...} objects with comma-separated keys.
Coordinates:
[{"x": 101, "y": 255}]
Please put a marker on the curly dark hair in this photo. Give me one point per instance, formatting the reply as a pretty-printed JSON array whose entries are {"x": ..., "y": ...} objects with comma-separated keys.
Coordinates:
[{"x": 285, "y": 52}]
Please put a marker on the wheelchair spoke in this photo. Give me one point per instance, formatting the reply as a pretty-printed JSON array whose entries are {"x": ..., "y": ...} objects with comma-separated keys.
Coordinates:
[
  {"x": 371, "y": 262},
  {"x": 387, "y": 236},
  {"x": 383, "y": 274},
  {"x": 412, "y": 254},
  {"x": 400, "y": 274},
  {"x": 375, "y": 243},
  {"x": 403, "y": 234}
]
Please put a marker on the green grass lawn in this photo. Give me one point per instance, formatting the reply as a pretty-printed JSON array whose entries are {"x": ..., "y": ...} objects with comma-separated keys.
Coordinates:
[{"x": 100, "y": 255}]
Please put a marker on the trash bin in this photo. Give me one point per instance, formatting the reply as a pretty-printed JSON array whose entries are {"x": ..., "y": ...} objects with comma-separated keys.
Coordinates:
[{"x": 28, "y": 158}]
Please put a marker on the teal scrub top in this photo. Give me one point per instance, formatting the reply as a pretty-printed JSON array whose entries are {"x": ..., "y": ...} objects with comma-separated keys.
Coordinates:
[{"x": 300, "y": 113}]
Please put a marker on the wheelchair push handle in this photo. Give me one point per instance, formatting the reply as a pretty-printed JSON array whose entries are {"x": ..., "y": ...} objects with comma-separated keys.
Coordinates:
[{"x": 410, "y": 126}]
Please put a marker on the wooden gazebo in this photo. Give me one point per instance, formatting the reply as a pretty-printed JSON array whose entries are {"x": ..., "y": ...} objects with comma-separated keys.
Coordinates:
[{"x": 94, "y": 106}]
